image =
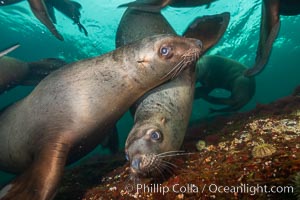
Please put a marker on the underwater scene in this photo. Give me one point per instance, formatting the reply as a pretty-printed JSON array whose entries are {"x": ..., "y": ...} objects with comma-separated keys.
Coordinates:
[{"x": 149, "y": 99}]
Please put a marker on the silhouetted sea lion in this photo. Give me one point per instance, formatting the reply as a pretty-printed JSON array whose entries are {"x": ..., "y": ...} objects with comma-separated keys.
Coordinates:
[
  {"x": 43, "y": 10},
  {"x": 69, "y": 9},
  {"x": 269, "y": 27},
  {"x": 15, "y": 72},
  {"x": 157, "y": 5},
  {"x": 219, "y": 72},
  {"x": 161, "y": 116},
  {"x": 69, "y": 112}
]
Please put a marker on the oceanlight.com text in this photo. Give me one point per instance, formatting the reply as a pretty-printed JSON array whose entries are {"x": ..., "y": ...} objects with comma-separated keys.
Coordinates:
[{"x": 211, "y": 188}]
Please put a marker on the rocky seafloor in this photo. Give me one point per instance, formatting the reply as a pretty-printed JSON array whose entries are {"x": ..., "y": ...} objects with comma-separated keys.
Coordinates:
[{"x": 253, "y": 155}]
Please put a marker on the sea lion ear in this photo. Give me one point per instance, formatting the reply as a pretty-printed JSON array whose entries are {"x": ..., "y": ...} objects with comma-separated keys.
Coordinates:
[{"x": 209, "y": 29}]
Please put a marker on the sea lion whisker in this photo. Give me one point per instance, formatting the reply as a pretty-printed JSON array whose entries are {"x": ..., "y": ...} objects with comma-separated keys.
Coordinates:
[
  {"x": 168, "y": 152},
  {"x": 176, "y": 154},
  {"x": 167, "y": 168},
  {"x": 188, "y": 59},
  {"x": 159, "y": 171},
  {"x": 169, "y": 163},
  {"x": 173, "y": 69},
  {"x": 180, "y": 70},
  {"x": 181, "y": 67}
]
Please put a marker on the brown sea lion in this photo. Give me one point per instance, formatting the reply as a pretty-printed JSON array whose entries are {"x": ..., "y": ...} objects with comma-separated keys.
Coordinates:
[
  {"x": 15, "y": 72},
  {"x": 219, "y": 72},
  {"x": 69, "y": 112},
  {"x": 157, "y": 5},
  {"x": 43, "y": 10},
  {"x": 269, "y": 27},
  {"x": 161, "y": 116}
]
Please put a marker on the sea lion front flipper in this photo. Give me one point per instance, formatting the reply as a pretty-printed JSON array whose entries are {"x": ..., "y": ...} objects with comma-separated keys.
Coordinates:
[
  {"x": 40, "y": 11},
  {"x": 82, "y": 29},
  {"x": 208, "y": 29},
  {"x": 8, "y": 50},
  {"x": 41, "y": 179},
  {"x": 50, "y": 10},
  {"x": 40, "y": 69},
  {"x": 269, "y": 29}
]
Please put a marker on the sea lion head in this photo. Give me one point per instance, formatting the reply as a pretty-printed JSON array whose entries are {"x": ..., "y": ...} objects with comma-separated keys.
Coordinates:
[
  {"x": 152, "y": 139},
  {"x": 160, "y": 54},
  {"x": 151, "y": 143}
]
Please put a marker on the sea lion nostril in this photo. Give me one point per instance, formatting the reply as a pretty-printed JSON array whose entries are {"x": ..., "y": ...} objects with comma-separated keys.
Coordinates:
[{"x": 135, "y": 164}]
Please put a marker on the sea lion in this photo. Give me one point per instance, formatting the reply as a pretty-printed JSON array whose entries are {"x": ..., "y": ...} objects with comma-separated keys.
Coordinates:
[
  {"x": 15, "y": 72},
  {"x": 71, "y": 9},
  {"x": 161, "y": 116},
  {"x": 68, "y": 113},
  {"x": 269, "y": 27},
  {"x": 219, "y": 72},
  {"x": 43, "y": 10},
  {"x": 40, "y": 11},
  {"x": 157, "y": 5}
]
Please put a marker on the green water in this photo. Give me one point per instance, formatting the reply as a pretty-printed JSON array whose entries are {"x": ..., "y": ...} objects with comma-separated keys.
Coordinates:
[{"x": 101, "y": 18}]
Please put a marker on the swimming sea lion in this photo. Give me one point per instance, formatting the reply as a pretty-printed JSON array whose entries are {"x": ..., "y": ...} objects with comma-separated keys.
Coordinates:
[
  {"x": 161, "y": 116},
  {"x": 269, "y": 27},
  {"x": 40, "y": 11},
  {"x": 219, "y": 72},
  {"x": 157, "y": 5},
  {"x": 68, "y": 113},
  {"x": 43, "y": 10},
  {"x": 15, "y": 72},
  {"x": 69, "y": 9}
]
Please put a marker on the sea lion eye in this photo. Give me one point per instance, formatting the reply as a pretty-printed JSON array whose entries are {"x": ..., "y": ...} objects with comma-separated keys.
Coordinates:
[
  {"x": 166, "y": 51},
  {"x": 155, "y": 135}
]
